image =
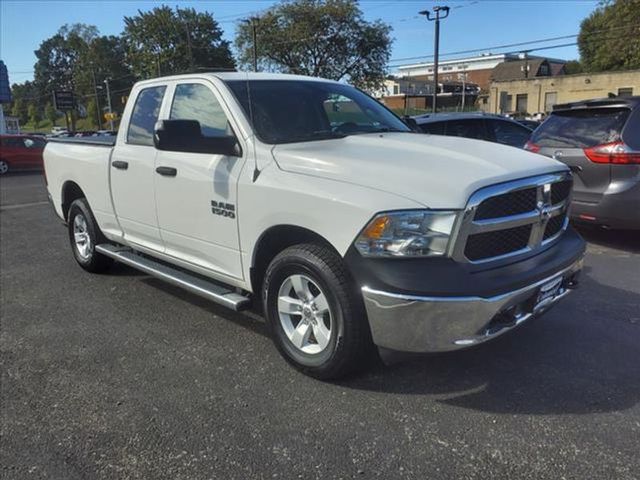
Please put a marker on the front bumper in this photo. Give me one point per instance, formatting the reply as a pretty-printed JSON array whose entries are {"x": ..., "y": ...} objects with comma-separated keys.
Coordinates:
[{"x": 412, "y": 323}]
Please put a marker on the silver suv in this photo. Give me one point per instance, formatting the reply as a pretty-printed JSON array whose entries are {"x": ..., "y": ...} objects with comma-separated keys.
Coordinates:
[{"x": 600, "y": 141}]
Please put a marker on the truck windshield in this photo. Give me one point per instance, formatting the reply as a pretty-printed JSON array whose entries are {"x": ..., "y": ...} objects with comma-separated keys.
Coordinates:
[{"x": 286, "y": 111}]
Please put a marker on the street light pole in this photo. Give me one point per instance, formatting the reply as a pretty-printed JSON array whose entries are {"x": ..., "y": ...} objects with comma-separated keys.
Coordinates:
[
  {"x": 464, "y": 87},
  {"x": 95, "y": 91},
  {"x": 253, "y": 21},
  {"x": 106, "y": 82},
  {"x": 439, "y": 13}
]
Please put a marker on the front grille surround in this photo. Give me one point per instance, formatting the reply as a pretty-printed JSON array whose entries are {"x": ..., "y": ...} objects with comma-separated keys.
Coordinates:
[{"x": 505, "y": 212}]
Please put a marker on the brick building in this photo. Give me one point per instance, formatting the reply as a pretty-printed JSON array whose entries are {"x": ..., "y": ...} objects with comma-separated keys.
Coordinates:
[{"x": 539, "y": 94}]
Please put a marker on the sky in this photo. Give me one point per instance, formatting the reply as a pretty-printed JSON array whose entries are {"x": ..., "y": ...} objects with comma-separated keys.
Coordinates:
[{"x": 472, "y": 24}]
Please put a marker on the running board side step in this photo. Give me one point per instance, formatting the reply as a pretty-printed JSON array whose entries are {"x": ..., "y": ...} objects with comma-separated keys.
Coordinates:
[{"x": 203, "y": 288}]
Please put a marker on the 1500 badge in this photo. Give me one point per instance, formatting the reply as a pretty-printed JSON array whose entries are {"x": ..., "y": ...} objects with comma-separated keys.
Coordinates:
[{"x": 224, "y": 209}]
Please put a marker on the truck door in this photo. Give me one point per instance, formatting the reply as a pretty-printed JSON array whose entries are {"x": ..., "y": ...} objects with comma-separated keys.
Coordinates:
[
  {"x": 132, "y": 172},
  {"x": 196, "y": 193}
]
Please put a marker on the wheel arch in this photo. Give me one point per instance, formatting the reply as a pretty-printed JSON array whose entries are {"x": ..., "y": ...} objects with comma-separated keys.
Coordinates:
[
  {"x": 274, "y": 240},
  {"x": 71, "y": 191}
]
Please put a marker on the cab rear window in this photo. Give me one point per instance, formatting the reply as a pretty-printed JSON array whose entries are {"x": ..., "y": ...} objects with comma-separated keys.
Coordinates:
[{"x": 581, "y": 128}]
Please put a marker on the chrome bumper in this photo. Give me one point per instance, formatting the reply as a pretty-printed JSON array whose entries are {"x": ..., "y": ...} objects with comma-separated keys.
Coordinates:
[{"x": 438, "y": 324}]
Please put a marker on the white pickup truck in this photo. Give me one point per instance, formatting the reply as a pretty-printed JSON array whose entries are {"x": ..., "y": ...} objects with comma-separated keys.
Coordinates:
[{"x": 313, "y": 201}]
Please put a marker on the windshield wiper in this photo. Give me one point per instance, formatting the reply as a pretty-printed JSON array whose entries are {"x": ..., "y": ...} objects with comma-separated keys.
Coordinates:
[
  {"x": 379, "y": 130},
  {"x": 318, "y": 135}
]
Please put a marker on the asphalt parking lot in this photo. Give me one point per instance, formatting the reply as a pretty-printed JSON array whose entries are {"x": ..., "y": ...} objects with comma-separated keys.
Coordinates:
[{"x": 120, "y": 376}]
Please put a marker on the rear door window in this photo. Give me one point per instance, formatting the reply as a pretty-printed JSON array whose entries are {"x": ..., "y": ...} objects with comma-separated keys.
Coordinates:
[
  {"x": 509, "y": 133},
  {"x": 144, "y": 116},
  {"x": 435, "y": 128},
  {"x": 194, "y": 101},
  {"x": 473, "y": 128},
  {"x": 581, "y": 128}
]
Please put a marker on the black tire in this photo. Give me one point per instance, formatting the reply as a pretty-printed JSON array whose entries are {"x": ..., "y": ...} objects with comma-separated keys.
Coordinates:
[
  {"x": 4, "y": 167},
  {"x": 350, "y": 345},
  {"x": 88, "y": 258}
]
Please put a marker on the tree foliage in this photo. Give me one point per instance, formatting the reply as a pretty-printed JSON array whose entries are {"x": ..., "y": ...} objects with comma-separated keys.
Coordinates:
[
  {"x": 573, "y": 66},
  {"x": 609, "y": 38},
  {"x": 163, "y": 42},
  {"x": 34, "y": 115},
  {"x": 320, "y": 38},
  {"x": 50, "y": 113},
  {"x": 19, "y": 109},
  {"x": 78, "y": 59}
]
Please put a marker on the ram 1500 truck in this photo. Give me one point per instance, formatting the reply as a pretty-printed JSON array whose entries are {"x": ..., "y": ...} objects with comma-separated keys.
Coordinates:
[{"x": 313, "y": 201}]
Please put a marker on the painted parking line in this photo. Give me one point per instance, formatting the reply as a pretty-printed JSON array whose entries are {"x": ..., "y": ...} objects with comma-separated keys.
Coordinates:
[{"x": 22, "y": 205}]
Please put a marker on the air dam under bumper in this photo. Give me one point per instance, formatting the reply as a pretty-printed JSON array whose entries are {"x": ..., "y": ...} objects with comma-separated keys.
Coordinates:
[{"x": 411, "y": 323}]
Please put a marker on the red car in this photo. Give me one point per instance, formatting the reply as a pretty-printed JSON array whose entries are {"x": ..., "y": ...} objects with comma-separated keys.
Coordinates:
[{"x": 20, "y": 152}]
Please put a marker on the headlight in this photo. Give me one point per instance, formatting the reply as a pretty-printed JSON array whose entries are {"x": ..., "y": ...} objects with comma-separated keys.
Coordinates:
[{"x": 411, "y": 233}]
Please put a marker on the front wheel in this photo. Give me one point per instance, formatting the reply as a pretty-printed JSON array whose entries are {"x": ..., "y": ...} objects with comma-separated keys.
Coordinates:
[
  {"x": 84, "y": 235},
  {"x": 314, "y": 313},
  {"x": 4, "y": 167}
]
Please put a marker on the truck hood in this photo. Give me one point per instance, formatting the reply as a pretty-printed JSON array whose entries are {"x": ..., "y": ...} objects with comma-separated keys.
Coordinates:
[{"x": 435, "y": 171}]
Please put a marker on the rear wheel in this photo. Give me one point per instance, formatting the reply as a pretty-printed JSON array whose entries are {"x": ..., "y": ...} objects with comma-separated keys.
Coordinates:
[
  {"x": 315, "y": 316},
  {"x": 84, "y": 235},
  {"x": 4, "y": 167}
]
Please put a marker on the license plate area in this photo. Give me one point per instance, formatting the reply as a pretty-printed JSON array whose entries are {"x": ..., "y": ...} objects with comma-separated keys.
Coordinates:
[{"x": 547, "y": 292}]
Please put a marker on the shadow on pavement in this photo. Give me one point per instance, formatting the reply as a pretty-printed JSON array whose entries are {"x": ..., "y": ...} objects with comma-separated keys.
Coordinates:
[
  {"x": 626, "y": 240},
  {"x": 577, "y": 359},
  {"x": 248, "y": 319}
]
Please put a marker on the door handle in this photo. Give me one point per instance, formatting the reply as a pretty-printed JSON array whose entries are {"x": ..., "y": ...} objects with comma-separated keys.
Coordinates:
[
  {"x": 119, "y": 164},
  {"x": 167, "y": 171}
]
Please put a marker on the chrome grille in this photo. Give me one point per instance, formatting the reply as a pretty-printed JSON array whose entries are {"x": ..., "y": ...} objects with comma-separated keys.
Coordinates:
[{"x": 513, "y": 218}]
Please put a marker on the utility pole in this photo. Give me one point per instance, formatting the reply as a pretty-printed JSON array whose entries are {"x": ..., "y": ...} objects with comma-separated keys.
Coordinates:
[
  {"x": 95, "y": 90},
  {"x": 253, "y": 21},
  {"x": 439, "y": 13},
  {"x": 464, "y": 87},
  {"x": 189, "y": 47},
  {"x": 106, "y": 82}
]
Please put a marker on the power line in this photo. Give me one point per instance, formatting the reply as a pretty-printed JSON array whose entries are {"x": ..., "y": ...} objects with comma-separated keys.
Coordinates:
[{"x": 519, "y": 44}]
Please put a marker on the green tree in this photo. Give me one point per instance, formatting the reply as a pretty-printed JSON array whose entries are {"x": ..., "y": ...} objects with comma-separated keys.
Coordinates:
[
  {"x": 164, "y": 41},
  {"x": 92, "y": 113},
  {"x": 609, "y": 38},
  {"x": 78, "y": 59},
  {"x": 50, "y": 113},
  {"x": 320, "y": 38},
  {"x": 573, "y": 66},
  {"x": 19, "y": 110},
  {"x": 34, "y": 115}
]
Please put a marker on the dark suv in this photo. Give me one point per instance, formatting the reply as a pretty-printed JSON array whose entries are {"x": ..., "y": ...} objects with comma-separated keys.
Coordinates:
[
  {"x": 482, "y": 126},
  {"x": 600, "y": 141}
]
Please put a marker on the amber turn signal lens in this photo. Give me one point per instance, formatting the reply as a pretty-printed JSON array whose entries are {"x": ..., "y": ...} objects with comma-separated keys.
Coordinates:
[{"x": 376, "y": 229}]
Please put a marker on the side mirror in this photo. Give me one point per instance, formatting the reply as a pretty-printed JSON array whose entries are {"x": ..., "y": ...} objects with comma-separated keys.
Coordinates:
[
  {"x": 411, "y": 123},
  {"x": 186, "y": 136}
]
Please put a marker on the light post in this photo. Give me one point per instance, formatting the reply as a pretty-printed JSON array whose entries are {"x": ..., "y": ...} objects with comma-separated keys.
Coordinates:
[
  {"x": 253, "y": 22},
  {"x": 106, "y": 82},
  {"x": 464, "y": 87},
  {"x": 436, "y": 16}
]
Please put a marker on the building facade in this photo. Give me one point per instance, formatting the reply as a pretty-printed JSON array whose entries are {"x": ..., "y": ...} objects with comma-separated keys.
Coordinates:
[
  {"x": 478, "y": 70},
  {"x": 534, "y": 95}
]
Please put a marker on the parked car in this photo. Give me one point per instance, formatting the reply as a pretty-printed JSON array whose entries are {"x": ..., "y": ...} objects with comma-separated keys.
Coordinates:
[
  {"x": 311, "y": 199},
  {"x": 532, "y": 124},
  {"x": 21, "y": 152},
  {"x": 58, "y": 130},
  {"x": 85, "y": 133},
  {"x": 600, "y": 141},
  {"x": 492, "y": 128}
]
